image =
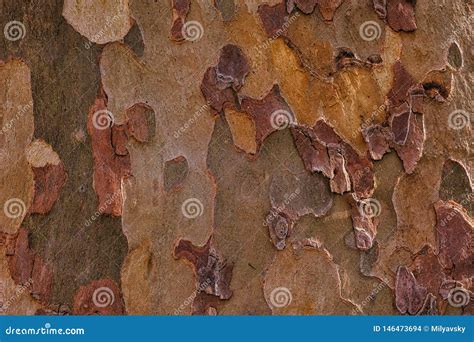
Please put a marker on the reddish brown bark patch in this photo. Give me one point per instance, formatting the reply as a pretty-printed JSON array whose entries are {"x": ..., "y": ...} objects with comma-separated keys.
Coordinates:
[
  {"x": 404, "y": 129},
  {"x": 221, "y": 82},
  {"x": 378, "y": 138},
  {"x": 27, "y": 268},
  {"x": 409, "y": 295},
  {"x": 274, "y": 18},
  {"x": 100, "y": 297},
  {"x": 399, "y": 14},
  {"x": 412, "y": 150},
  {"x": 42, "y": 280},
  {"x": 270, "y": 113},
  {"x": 21, "y": 261},
  {"x": 180, "y": 11},
  {"x": 49, "y": 181},
  {"x": 111, "y": 158},
  {"x": 359, "y": 168},
  {"x": 327, "y": 8},
  {"x": 429, "y": 307},
  {"x": 217, "y": 98},
  {"x": 364, "y": 222},
  {"x": 428, "y": 270},
  {"x": 380, "y": 7},
  {"x": 213, "y": 273},
  {"x": 400, "y": 123},
  {"x": 314, "y": 154},
  {"x": 346, "y": 169},
  {"x": 402, "y": 83},
  {"x": 231, "y": 68},
  {"x": 455, "y": 235},
  {"x": 305, "y": 6},
  {"x": 340, "y": 181}
]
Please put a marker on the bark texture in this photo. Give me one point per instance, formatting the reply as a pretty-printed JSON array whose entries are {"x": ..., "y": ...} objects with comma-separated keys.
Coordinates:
[{"x": 236, "y": 157}]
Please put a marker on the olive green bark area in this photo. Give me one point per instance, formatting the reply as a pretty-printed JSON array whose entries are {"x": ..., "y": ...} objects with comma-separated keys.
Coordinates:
[{"x": 65, "y": 80}]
